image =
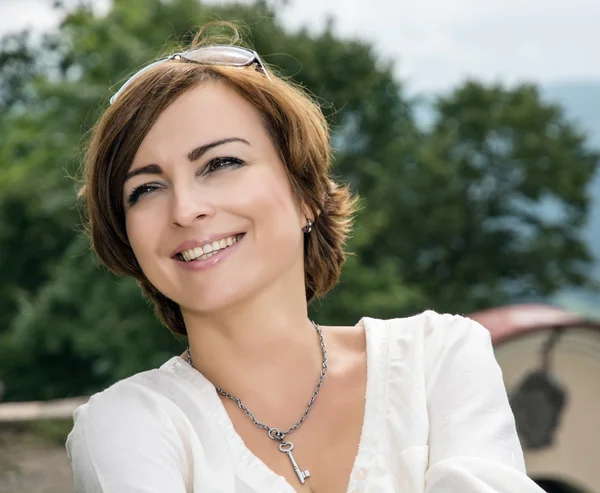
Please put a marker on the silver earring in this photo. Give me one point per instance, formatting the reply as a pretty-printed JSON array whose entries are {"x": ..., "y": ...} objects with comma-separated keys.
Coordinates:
[{"x": 308, "y": 228}]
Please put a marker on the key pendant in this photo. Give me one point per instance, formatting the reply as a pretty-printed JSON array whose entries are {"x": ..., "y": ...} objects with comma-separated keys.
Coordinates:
[{"x": 286, "y": 448}]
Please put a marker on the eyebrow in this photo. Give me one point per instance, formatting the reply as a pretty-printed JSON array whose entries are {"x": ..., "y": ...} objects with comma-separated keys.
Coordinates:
[
  {"x": 151, "y": 169},
  {"x": 193, "y": 155},
  {"x": 198, "y": 152}
]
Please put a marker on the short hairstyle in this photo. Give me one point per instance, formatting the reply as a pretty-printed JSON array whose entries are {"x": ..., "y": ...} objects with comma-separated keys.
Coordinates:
[{"x": 296, "y": 126}]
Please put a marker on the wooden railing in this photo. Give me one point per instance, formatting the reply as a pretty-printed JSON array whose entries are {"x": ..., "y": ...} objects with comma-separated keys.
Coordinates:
[{"x": 20, "y": 412}]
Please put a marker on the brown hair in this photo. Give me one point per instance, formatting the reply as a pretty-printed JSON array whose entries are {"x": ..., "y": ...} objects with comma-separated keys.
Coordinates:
[{"x": 297, "y": 128}]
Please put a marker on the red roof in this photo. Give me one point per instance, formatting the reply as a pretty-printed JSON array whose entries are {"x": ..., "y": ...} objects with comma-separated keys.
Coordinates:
[{"x": 506, "y": 322}]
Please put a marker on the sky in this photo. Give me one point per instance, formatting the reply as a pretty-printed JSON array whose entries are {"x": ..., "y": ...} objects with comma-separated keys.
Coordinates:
[{"x": 435, "y": 44}]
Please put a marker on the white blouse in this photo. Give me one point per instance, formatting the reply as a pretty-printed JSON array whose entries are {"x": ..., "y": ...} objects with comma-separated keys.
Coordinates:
[{"x": 437, "y": 420}]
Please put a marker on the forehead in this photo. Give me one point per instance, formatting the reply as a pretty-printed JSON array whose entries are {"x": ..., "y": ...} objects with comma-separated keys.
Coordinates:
[{"x": 205, "y": 113}]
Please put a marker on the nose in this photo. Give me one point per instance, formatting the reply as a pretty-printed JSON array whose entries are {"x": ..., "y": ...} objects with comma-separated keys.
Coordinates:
[{"x": 188, "y": 205}]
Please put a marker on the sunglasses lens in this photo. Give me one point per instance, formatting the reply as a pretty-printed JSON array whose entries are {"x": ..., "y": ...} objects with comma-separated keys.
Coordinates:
[{"x": 220, "y": 55}]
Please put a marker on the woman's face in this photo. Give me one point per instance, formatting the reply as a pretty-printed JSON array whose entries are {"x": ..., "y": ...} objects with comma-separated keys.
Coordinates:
[{"x": 210, "y": 212}]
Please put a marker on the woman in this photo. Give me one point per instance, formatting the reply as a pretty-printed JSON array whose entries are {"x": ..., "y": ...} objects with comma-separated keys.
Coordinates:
[{"x": 207, "y": 180}]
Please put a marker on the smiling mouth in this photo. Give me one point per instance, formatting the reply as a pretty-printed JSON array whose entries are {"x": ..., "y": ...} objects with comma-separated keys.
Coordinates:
[{"x": 209, "y": 249}]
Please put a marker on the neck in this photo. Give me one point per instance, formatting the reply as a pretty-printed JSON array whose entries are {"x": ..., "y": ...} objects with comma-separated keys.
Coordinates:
[{"x": 264, "y": 344}]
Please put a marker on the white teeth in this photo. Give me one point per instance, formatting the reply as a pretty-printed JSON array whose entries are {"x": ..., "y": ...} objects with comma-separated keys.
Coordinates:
[
  {"x": 210, "y": 249},
  {"x": 206, "y": 255}
]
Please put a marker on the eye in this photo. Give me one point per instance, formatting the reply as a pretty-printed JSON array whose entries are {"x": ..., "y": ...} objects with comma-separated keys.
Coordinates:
[
  {"x": 141, "y": 190},
  {"x": 222, "y": 162}
]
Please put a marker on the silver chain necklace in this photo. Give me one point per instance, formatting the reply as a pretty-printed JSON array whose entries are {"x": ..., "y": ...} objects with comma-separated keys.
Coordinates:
[{"x": 274, "y": 433}]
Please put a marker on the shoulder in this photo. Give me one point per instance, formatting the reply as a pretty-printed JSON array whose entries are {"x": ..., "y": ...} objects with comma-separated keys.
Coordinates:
[
  {"x": 130, "y": 391},
  {"x": 430, "y": 321},
  {"x": 124, "y": 413},
  {"x": 435, "y": 328},
  {"x": 135, "y": 393},
  {"x": 127, "y": 434},
  {"x": 434, "y": 337}
]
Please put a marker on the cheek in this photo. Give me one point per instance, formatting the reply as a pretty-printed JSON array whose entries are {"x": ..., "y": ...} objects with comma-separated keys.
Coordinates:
[
  {"x": 271, "y": 206},
  {"x": 266, "y": 194},
  {"x": 142, "y": 232}
]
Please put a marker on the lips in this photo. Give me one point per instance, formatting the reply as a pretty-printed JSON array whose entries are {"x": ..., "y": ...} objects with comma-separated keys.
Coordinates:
[
  {"x": 209, "y": 249},
  {"x": 207, "y": 260},
  {"x": 202, "y": 242}
]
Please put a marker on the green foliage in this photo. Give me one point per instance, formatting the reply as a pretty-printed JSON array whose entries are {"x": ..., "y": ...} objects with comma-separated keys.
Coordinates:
[
  {"x": 497, "y": 199},
  {"x": 484, "y": 208}
]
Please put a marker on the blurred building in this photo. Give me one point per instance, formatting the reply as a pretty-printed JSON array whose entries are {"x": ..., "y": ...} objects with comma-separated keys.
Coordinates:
[{"x": 550, "y": 360}]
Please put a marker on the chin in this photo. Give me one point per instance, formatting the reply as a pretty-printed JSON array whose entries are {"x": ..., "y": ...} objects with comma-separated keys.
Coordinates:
[
  {"x": 230, "y": 284},
  {"x": 218, "y": 295},
  {"x": 210, "y": 303}
]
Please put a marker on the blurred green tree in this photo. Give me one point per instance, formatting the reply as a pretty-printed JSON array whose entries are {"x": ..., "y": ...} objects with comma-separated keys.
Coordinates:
[
  {"x": 492, "y": 205},
  {"x": 484, "y": 207}
]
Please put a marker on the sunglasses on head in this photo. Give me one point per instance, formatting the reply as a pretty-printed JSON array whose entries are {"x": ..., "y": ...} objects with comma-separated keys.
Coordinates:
[{"x": 231, "y": 56}]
